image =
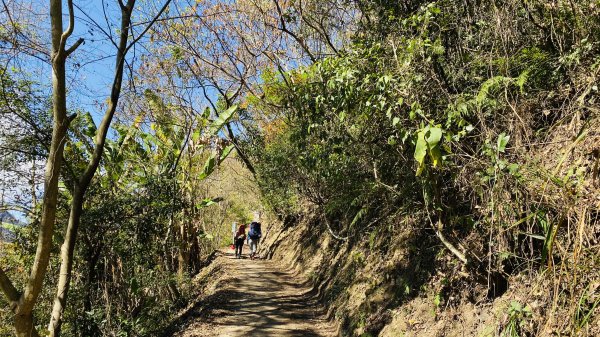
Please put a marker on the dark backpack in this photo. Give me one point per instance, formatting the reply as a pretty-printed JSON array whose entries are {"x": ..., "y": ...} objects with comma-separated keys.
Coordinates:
[{"x": 255, "y": 232}]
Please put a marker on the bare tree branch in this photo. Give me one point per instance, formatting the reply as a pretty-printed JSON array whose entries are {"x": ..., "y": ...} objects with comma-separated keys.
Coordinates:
[
  {"x": 298, "y": 39},
  {"x": 156, "y": 17},
  {"x": 9, "y": 290},
  {"x": 65, "y": 35}
]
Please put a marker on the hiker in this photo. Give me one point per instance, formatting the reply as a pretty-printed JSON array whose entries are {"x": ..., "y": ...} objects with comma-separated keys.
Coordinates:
[
  {"x": 254, "y": 236},
  {"x": 240, "y": 235}
]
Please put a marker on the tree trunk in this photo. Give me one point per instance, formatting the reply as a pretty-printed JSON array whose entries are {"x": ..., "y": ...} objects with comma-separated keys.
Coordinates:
[
  {"x": 82, "y": 185},
  {"x": 194, "y": 251},
  {"x": 24, "y": 326},
  {"x": 68, "y": 246},
  {"x": 23, "y": 307},
  {"x": 66, "y": 267},
  {"x": 183, "y": 254}
]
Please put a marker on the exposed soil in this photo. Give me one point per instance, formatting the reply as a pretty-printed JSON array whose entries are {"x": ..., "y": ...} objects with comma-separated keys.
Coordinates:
[{"x": 254, "y": 298}]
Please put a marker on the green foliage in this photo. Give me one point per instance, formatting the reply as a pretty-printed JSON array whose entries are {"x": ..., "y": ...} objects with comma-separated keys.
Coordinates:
[
  {"x": 585, "y": 308},
  {"x": 224, "y": 117},
  {"x": 428, "y": 142},
  {"x": 435, "y": 112},
  {"x": 517, "y": 318},
  {"x": 143, "y": 211},
  {"x": 209, "y": 167},
  {"x": 146, "y": 194}
]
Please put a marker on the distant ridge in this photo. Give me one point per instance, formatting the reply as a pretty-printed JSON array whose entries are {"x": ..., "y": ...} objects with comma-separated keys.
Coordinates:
[{"x": 7, "y": 224}]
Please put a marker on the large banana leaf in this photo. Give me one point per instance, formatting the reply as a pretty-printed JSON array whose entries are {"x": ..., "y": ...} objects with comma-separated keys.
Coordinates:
[{"x": 223, "y": 118}]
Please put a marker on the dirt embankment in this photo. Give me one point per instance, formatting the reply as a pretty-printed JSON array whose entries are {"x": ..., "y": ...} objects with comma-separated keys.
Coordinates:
[{"x": 407, "y": 285}]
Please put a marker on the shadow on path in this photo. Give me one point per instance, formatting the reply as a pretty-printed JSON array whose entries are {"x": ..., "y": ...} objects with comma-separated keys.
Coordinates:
[{"x": 257, "y": 299}]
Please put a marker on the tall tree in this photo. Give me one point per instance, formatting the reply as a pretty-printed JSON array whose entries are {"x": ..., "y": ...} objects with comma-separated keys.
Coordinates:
[
  {"x": 23, "y": 302},
  {"x": 81, "y": 186}
]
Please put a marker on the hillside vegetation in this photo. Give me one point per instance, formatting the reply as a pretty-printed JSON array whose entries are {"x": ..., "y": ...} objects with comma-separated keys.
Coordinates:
[
  {"x": 447, "y": 160},
  {"x": 432, "y": 167}
]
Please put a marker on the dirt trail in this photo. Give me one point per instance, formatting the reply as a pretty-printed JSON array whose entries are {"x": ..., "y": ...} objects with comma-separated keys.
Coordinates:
[{"x": 256, "y": 298}]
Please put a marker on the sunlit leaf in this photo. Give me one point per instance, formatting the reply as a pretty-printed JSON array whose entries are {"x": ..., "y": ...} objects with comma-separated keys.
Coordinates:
[
  {"x": 433, "y": 141},
  {"x": 224, "y": 117},
  {"x": 208, "y": 202},
  {"x": 502, "y": 141},
  {"x": 209, "y": 167},
  {"x": 226, "y": 152}
]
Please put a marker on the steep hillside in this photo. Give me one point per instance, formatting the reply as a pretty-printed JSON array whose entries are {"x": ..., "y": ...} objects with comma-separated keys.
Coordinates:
[
  {"x": 441, "y": 175},
  {"x": 406, "y": 284}
]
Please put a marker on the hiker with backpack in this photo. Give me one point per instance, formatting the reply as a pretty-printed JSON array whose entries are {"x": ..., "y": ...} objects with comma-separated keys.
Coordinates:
[
  {"x": 254, "y": 236},
  {"x": 240, "y": 236}
]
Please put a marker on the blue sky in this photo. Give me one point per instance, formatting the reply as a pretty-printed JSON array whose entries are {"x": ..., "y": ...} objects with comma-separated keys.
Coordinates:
[
  {"x": 92, "y": 65},
  {"x": 90, "y": 68}
]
